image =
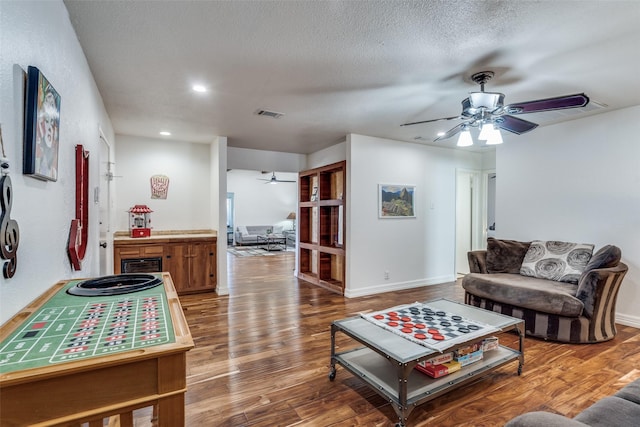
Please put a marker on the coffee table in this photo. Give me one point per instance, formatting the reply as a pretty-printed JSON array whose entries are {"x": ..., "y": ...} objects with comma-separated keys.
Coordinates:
[
  {"x": 387, "y": 360},
  {"x": 272, "y": 242}
]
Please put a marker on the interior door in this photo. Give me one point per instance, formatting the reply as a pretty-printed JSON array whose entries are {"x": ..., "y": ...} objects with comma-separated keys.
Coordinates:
[
  {"x": 103, "y": 198},
  {"x": 469, "y": 228}
]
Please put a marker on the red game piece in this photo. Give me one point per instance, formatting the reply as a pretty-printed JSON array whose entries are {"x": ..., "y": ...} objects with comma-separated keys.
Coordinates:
[
  {"x": 420, "y": 326},
  {"x": 438, "y": 337},
  {"x": 407, "y": 330},
  {"x": 392, "y": 313},
  {"x": 433, "y": 331},
  {"x": 408, "y": 325},
  {"x": 405, "y": 319},
  {"x": 420, "y": 336},
  {"x": 394, "y": 324},
  {"x": 378, "y": 316}
]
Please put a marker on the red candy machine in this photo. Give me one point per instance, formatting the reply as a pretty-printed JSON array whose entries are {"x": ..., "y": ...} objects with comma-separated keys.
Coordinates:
[{"x": 140, "y": 221}]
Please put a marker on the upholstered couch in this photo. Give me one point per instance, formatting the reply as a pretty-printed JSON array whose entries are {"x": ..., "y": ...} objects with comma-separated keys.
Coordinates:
[
  {"x": 620, "y": 410},
  {"x": 248, "y": 234},
  {"x": 575, "y": 305}
]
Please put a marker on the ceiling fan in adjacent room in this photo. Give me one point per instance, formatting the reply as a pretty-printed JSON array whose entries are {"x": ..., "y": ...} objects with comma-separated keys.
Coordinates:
[
  {"x": 486, "y": 110},
  {"x": 273, "y": 179}
]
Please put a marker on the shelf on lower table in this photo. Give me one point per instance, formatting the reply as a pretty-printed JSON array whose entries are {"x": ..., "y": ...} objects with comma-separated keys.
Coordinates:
[{"x": 380, "y": 373}]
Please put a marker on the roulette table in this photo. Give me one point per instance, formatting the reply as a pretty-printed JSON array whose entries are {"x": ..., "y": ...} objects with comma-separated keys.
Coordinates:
[{"x": 91, "y": 349}]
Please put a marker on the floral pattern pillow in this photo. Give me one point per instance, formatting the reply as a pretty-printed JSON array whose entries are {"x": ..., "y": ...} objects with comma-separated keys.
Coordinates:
[{"x": 553, "y": 260}]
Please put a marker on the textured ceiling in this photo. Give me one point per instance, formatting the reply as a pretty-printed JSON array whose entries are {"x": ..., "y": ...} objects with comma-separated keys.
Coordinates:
[{"x": 339, "y": 67}]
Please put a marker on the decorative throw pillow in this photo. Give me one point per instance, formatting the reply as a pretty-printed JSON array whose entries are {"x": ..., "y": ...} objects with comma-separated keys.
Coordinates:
[
  {"x": 552, "y": 260},
  {"x": 606, "y": 257},
  {"x": 505, "y": 256}
]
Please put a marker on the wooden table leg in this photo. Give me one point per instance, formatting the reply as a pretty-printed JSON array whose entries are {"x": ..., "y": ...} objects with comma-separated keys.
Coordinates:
[{"x": 171, "y": 411}]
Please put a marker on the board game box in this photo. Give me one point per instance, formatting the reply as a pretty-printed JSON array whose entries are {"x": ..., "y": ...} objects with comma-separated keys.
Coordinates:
[{"x": 428, "y": 326}]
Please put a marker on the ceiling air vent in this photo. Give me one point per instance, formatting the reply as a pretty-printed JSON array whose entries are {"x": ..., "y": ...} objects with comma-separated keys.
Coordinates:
[{"x": 267, "y": 113}]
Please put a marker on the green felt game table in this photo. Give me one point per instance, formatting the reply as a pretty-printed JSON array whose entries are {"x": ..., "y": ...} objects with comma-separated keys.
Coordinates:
[{"x": 67, "y": 359}]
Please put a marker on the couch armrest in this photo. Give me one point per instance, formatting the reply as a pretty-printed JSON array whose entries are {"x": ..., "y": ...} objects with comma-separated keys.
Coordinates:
[
  {"x": 598, "y": 289},
  {"x": 543, "y": 419},
  {"x": 477, "y": 261}
]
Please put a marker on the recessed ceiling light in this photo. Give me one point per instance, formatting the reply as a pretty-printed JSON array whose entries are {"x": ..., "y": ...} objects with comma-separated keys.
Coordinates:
[
  {"x": 441, "y": 133},
  {"x": 199, "y": 88},
  {"x": 165, "y": 133}
]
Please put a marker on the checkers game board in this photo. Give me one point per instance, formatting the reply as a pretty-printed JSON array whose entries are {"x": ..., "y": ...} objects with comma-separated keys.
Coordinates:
[
  {"x": 428, "y": 326},
  {"x": 68, "y": 328}
]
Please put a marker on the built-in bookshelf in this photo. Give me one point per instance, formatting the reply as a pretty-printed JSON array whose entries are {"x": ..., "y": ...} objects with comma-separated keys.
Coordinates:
[{"x": 321, "y": 225}]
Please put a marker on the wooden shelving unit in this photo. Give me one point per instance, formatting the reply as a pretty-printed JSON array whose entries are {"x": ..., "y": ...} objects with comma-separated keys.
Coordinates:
[{"x": 321, "y": 226}]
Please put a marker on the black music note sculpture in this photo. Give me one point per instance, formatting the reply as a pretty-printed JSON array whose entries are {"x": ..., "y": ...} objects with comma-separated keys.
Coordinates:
[{"x": 9, "y": 232}]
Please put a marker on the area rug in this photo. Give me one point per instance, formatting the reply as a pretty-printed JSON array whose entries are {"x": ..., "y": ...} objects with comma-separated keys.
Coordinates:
[{"x": 243, "y": 251}]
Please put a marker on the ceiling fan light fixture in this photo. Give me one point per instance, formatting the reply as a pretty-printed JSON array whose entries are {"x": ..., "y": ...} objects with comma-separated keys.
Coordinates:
[
  {"x": 465, "y": 140},
  {"x": 485, "y": 131},
  {"x": 487, "y": 100}
]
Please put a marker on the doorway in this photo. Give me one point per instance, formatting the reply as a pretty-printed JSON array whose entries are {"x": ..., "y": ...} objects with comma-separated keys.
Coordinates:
[
  {"x": 230, "y": 218},
  {"x": 469, "y": 231},
  {"x": 103, "y": 196}
]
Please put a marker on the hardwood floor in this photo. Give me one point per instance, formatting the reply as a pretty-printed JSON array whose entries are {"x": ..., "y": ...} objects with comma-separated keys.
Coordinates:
[{"x": 262, "y": 357}]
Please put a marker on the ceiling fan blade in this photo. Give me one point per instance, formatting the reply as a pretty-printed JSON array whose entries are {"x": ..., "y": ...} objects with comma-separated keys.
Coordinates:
[
  {"x": 429, "y": 121},
  {"x": 451, "y": 132},
  {"x": 558, "y": 103},
  {"x": 514, "y": 124}
]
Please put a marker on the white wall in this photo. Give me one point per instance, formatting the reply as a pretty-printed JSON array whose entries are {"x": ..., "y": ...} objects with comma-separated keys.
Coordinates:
[
  {"x": 577, "y": 181},
  {"x": 40, "y": 34},
  {"x": 262, "y": 160},
  {"x": 335, "y": 153},
  {"x": 188, "y": 166},
  {"x": 259, "y": 203},
  {"x": 415, "y": 251}
]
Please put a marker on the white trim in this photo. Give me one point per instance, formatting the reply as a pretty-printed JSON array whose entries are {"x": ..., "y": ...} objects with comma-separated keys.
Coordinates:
[
  {"x": 390, "y": 287},
  {"x": 625, "y": 319}
]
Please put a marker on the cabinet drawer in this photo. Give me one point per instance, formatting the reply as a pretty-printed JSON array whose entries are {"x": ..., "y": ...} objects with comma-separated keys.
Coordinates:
[
  {"x": 152, "y": 250},
  {"x": 129, "y": 252}
]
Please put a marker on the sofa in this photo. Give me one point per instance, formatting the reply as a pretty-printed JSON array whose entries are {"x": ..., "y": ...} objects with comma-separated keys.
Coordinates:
[
  {"x": 563, "y": 291},
  {"x": 248, "y": 234},
  {"x": 620, "y": 410}
]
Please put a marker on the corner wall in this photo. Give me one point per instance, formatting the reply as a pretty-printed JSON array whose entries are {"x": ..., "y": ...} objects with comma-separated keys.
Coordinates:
[
  {"x": 577, "y": 181},
  {"x": 40, "y": 34},
  {"x": 188, "y": 166},
  {"x": 415, "y": 251}
]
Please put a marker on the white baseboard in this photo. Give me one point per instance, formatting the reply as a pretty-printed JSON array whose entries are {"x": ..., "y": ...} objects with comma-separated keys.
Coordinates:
[
  {"x": 624, "y": 319},
  {"x": 398, "y": 286}
]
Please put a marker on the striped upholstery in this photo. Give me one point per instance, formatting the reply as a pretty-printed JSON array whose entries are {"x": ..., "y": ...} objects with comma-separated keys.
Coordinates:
[{"x": 595, "y": 324}]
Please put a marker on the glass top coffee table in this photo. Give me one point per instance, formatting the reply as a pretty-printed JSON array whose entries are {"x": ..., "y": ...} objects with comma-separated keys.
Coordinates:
[{"x": 387, "y": 360}]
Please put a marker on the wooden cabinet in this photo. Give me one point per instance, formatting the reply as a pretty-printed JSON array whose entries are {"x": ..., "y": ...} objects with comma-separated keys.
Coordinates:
[
  {"x": 192, "y": 266},
  {"x": 190, "y": 259},
  {"x": 321, "y": 226}
]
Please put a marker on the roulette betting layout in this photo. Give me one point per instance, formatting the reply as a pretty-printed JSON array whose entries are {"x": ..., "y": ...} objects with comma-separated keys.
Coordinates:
[{"x": 87, "y": 319}]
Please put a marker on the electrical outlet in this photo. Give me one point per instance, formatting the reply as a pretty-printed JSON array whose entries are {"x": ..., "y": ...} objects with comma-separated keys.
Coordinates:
[{"x": 386, "y": 275}]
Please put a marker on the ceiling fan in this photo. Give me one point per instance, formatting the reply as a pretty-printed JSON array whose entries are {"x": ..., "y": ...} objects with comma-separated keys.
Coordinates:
[
  {"x": 482, "y": 108},
  {"x": 273, "y": 179}
]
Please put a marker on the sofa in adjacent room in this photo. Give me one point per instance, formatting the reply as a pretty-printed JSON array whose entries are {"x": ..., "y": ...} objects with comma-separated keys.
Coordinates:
[
  {"x": 248, "y": 234},
  {"x": 561, "y": 290},
  {"x": 620, "y": 410}
]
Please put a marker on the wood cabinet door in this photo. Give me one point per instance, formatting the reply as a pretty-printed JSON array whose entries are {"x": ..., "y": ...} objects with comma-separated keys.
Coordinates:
[
  {"x": 203, "y": 266},
  {"x": 176, "y": 261}
]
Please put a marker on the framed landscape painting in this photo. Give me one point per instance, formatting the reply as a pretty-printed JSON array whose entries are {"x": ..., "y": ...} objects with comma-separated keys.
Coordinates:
[
  {"x": 396, "y": 201},
  {"x": 41, "y": 127}
]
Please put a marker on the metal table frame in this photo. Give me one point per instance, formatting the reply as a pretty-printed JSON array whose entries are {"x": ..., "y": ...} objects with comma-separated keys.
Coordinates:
[
  {"x": 387, "y": 361},
  {"x": 270, "y": 242}
]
